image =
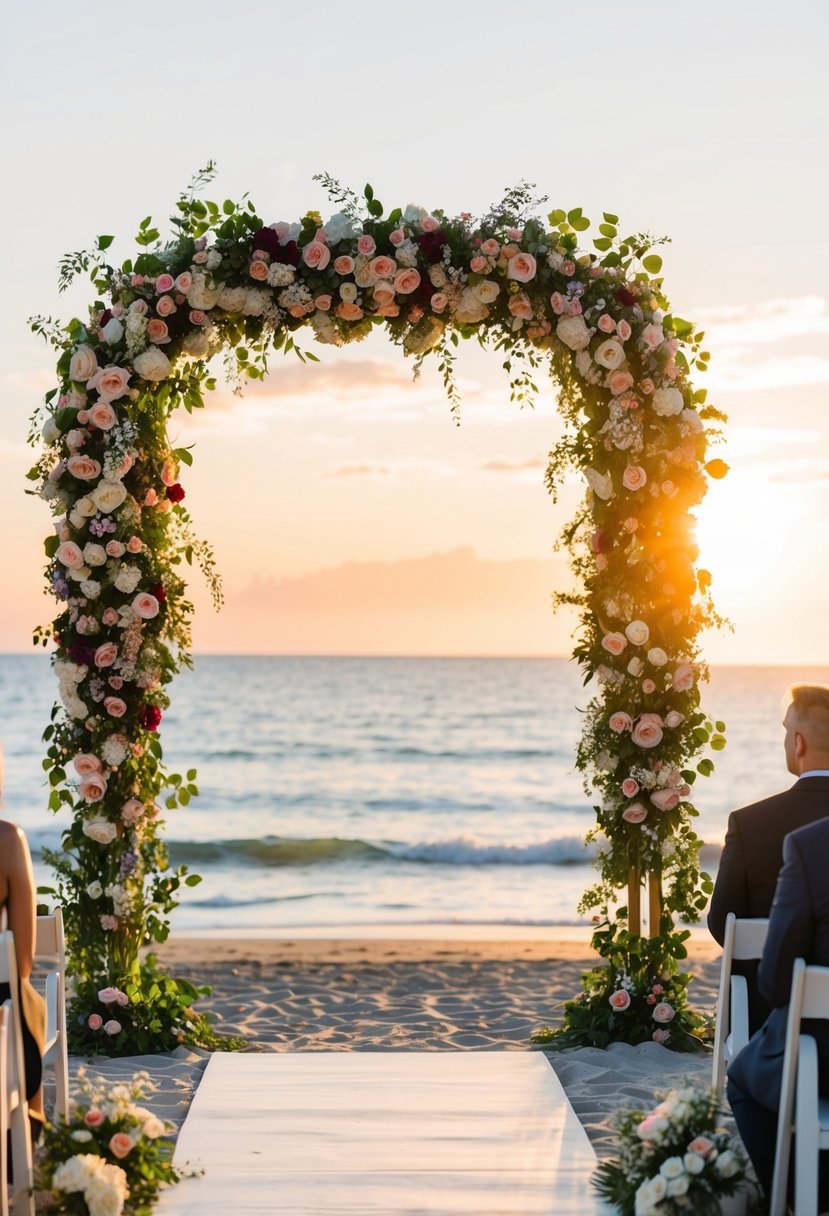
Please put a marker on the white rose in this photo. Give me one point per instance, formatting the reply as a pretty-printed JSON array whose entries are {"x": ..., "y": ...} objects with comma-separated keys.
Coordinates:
[
  {"x": 231, "y": 299},
  {"x": 112, "y": 332},
  {"x": 600, "y": 483},
  {"x": 108, "y": 496},
  {"x": 94, "y": 555},
  {"x": 78, "y": 573},
  {"x": 727, "y": 1164},
  {"x": 100, "y": 830},
  {"x": 256, "y": 301},
  {"x": 694, "y": 1164},
  {"x": 364, "y": 276},
  {"x": 200, "y": 295},
  {"x": 196, "y": 344},
  {"x": 573, "y": 332},
  {"x": 51, "y": 430},
  {"x": 657, "y": 657},
  {"x": 652, "y": 335},
  {"x": 85, "y": 506},
  {"x": 674, "y": 718},
  {"x": 83, "y": 364},
  {"x": 95, "y": 890},
  {"x": 487, "y": 291},
  {"x": 152, "y": 1126},
  {"x": 348, "y": 292},
  {"x": 672, "y": 1168},
  {"x": 91, "y": 589},
  {"x": 470, "y": 308},
  {"x": 610, "y": 354},
  {"x": 152, "y": 364},
  {"x": 214, "y": 259},
  {"x": 667, "y": 401},
  {"x": 437, "y": 276},
  {"x": 635, "y": 666},
  {"x": 325, "y": 329},
  {"x": 692, "y": 421},
  {"x": 679, "y": 1186},
  {"x": 127, "y": 579},
  {"x": 637, "y": 633}
]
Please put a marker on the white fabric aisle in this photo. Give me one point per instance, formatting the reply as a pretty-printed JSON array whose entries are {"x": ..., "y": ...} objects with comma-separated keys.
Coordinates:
[{"x": 384, "y": 1133}]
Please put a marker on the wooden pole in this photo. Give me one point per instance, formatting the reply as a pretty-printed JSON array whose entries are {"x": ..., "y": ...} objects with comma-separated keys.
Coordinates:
[
  {"x": 634, "y": 900},
  {"x": 654, "y": 904}
]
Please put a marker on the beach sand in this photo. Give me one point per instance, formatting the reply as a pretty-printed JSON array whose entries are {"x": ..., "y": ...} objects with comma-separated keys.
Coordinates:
[{"x": 388, "y": 994}]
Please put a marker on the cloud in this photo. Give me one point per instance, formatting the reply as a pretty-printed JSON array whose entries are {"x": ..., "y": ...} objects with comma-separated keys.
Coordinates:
[
  {"x": 766, "y": 322},
  {"x": 795, "y": 371},
  {"x": 514, "y": 466},
  {"x": 360, "y": 470},
  {"x": 408, "y": 468}
]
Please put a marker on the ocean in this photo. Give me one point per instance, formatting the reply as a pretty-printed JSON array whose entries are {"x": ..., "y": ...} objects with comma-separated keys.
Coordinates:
[{"x": 388, "y": 792}]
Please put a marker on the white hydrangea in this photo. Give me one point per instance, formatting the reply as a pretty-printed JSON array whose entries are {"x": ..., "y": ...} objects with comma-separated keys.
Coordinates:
[
  {"x": 127, "y": 578},
  {"x": 339, "y": 228},
  {"x": 280, "y": 275}
]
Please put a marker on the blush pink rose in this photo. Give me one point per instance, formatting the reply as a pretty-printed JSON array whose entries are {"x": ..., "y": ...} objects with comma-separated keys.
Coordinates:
[
  {"x": 388, "y": 310},
  {"x": 520, "y": 305},
  {"x": 323, "y": 303},
  {"x": 115, "y": 707},
  {"x": 184, "y": 282},
  {"x": 634, "y": 477},
  {"x": 165, "y": 306},
  {"x": 106, "y": 654},
  {"x": 122, "y": 999},
  {"x": 85, "y": 764},
  {"x": 619, "y": 1000},
  {"x": 366, "y": 245},
  {"x": 646, "y": 385},
  {"x": 614, "y": 643},
  {"x": 132, "y": 810},
  {"x": 606, "y": 323},
  {"x": 522, "y": 268},
  {"x": 70, "y": 555},
  {"x": 557, "y": 303},
  {"x": 383, "y": 293},
  {"x": 648, "y": 687},
  {"x": 115, "y": 682},
  {"x": 94, "y": 1022},
  {"x": 397, "y": 237},
  {"x": 702, "y": 1146},
  {"x": 661, "y": 1035},
  {"x": 665, "y": 800},
  {"x": 619, "y": 381},
  {"x": 83, "y": 467},
  {"x": 145, "y": 606},
  {"x": 344, "y": 264},
  {"x": 164, "y": 282},
  {"x": 620, "y": 721},
  {"x": 103, "y": 415},
  {"x": 439, "y": 301},
  {"x": 429, "y": 224},
  {"x": 107, "y": 995},
  {"x": 315, "y": 255},
  {"x": 635, "y": 813},
  {"x": 349, "y": 311},
  {"x": 490, "y": 247},
  {"x": 683, "y": 677},
  {"x": 110, "y": 382},
  {"x": 120, "y": 1145},
  {"x": 382, "y": 267},
  {"x": 663, "y": 1012},
  {"x": 478, "y": 264},
  {"x": 623, "y": 331},
  {"x": 198, "y": 316},
  {"x": 110, "y": 616},
  {"x": 259, "y": 271},
  {"x": 630, "y": 787},
  {"x": 157, "y": 331},
  {"x": 93, "y": 787},
  {"x": 135, "y": 544},
  {"x": 94, "y": 1117},
  {"x": 652, "y": 336},
  {"x": 406, "y": 281},
  {"x": 112, "y": 1027},
  {"x": 169, "y": 471},
  {"x": 647, "y": 730},
  {"x": 114, "y": 548}
]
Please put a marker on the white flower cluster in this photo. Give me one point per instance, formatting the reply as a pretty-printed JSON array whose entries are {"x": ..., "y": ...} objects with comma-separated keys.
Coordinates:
[{"x": 104, "y": 1186}]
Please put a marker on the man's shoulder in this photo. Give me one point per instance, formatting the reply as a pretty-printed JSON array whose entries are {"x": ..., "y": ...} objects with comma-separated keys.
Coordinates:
[
  {"x": 812, "y": 836},
  {"x": 765, "y": 807}
]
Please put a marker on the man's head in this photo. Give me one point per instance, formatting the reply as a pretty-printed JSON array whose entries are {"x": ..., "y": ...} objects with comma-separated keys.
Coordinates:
[{"x": 806, "y": 723}]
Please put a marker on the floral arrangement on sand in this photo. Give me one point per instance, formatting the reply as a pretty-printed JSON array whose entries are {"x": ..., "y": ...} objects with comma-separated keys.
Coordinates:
[
  {"x": 110, "y": 1156},
  {"x": 675, "y": 1160}
]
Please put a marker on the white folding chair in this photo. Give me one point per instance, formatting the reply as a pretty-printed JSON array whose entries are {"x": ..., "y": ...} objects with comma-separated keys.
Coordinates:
[
  {"x": 802, "y": 1110},
  {"x": 5, "y": 1016},
  {"x": 21, "y": 1144},
  {"x": 50, "y": 951},
  {"x": 744, "y": 939}
]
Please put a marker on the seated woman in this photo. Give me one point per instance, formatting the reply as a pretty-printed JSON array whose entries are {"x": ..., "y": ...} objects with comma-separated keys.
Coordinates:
[{"x": 17, "y": 902}]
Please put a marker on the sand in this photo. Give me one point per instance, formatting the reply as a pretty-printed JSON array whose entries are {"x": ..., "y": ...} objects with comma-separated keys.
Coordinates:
[{"x": 384, "y": 993}]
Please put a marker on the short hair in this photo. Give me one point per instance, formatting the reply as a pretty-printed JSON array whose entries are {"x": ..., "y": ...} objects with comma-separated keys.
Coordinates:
[{"x": 805, "y": 698}]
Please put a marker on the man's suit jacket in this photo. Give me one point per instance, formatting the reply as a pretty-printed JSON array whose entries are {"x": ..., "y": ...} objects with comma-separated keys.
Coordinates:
[
  {"x": 750, "y": 863},
  {"x": 798, "y": 928}
]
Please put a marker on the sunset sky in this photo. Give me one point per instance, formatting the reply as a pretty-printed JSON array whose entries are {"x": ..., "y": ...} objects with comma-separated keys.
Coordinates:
[{"x": 348, "y": 513}]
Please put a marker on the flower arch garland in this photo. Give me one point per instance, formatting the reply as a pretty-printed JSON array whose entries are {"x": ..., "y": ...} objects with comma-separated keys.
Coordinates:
[{"x": 636, "y": 429}]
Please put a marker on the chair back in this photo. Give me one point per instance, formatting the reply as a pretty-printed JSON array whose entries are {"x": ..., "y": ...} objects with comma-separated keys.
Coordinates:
[
  {"x": 50, "y": 950},
  {"x": 15, "y": 1087},
  {"x": 744, "y": 939},
  {"x": 50, "y": 944},
  {"x": 749, "y": 937}
]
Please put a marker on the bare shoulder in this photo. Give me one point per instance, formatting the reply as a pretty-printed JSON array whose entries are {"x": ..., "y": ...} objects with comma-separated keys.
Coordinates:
[{"x": 13, "y": 843}]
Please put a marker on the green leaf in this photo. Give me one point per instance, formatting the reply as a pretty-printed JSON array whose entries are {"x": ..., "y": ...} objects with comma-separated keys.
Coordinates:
[
  {"x": 717, "y": 743},
  {"x": 104, "y": 242},
  {"x": 611, "y": 219},
  {"x": 574, "y": 215},
  {"x": 652, "y": 263},
  {"x": 581, "y": 225},
  {"x": 191, "y": 774},
  {"x": 192, "y": 880},
  {"x": 368, "y": 191},
  {"x": 608, "y": 230},
  {"x": 720, "y": 726},
  {"x": 602, "y": 243},
  {"x": 557, "y": 217},
  {"x": 228, "y": 206},
  {"x": 376, "y": 208}
]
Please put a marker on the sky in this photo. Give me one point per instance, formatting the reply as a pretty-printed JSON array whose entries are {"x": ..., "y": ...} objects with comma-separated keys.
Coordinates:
[{"x": 348, "y": 513}]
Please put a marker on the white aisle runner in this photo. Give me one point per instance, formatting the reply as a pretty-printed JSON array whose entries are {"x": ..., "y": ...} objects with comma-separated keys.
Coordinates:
[{"x": 382, "y": 1134}]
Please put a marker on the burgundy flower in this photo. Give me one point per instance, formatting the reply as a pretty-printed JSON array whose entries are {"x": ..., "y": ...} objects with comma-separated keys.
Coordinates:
[
  {"x": 81, "y": 653},
  {"x": 158, "y": 591},
  {"x": 601, "y": 542},
  {"x": 150, "y": 717},
  {"x": 626, "y": 297},
  {"x": 431, "y": 245},
  {"x": 266, "y": 239},
  {"x": 106, "y": 317},
  {"x": 175, "y": 493},
  {"x": 423, "y": 293},
  {"x": 288, "y": 253}
]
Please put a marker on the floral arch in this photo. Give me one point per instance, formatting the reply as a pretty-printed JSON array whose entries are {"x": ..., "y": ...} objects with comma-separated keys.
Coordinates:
[{"x": 637, "y": 430}]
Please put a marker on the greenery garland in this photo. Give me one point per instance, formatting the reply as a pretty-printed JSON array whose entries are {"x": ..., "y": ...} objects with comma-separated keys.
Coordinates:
[{"x": 637, "y": 430}]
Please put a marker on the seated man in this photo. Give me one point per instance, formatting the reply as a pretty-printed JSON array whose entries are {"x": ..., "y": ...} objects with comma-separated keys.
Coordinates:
[
  {"x": 798, "y": 928},
  {"x": 753, "y": 849}
]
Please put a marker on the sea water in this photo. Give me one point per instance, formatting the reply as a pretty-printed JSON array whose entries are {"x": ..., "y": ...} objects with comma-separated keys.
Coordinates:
[{"x": 388, "y": 792}]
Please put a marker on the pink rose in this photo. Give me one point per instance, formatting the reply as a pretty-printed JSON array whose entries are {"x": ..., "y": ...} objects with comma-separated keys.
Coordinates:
[
  {"x": 428, "y": 223},
  {"x": 110, "y": 616},
  {"x": 94, "y": 1117},
  {"x": 83, "y": 467},
  {"x": 606, "y": 323},
  {"x": 132, "y": 810},
  {"x": 112, "y": 1027},
  {"x": 646, "y": 385},
  {"x": 648, "y": 687},
  {"x": 491, "y": 248},
  {"x": 103, "y": 415},
  {"x": 164, "y": 282},
  {"x": 110, "y": 382},
  {"x": 258, "y": 271},
  {"x": 568, "y": 268},
  {"x": 93, "y": 787},
  {"x": 630, "y": 787},
  {"x": 620, "y": 721},
  {"x": 406, "y": 281},
  {"x": 635, "y": 813},
  {"x": 619, "y": 381},
  {"x": 115, "y": 682},
  {"x": 631, "y": 524},
  {"x": 619, "y": 1000},
  {"x": 323, "y": 303},
  {"x": 623, "y": 331},
  {"x": 388, "y": 310},
  {"x": 647, "y": 730},
  {"x": 94, "y": 1022},
  {"x": 107, "y": 996},
  {"x": 652, "y": 336},
  {"x": 520, "y": 305},
  {"x": 614, "y": 643},
  {"x": 184, "y": 282},
  {"x": 522, "y": 267},
  {"x": 702, "y": 1146},
  {"x": 157, "y": 331},
  {"x": 383, "y": 293},
  {"x": 557, "y": 303},
  {"x": 650, "y": 999},
  {"x": 115, "y": 707},
  {"x": 634, "y": 477},
  {"x": 683, "y": 677},
  {"x": 315, "y": 255},
  {"x": 397, "y": 237},
  {"x": 169, "y": 471},
  {"x": 166, "y": 306},
  {"x": 663, "y": 1012},
  {"x": 665, "y": 800},
  {"x": 114, "y": 548},
  {"x": 439, "y": 301},
  {"x": 349, "y": 311},
  {"x": 658, "y": 989},
  {"x": 382, "y": 267},
  {"x": 106, "y": 654},
  {"x": 661, "y": 1036},
  {"x": 197, "y": 316},
  {"x": 122, "y": 999},
  {"x": 145, "y": 606},
  {"x": 135, "y": 544},
  {"x": 478, "y": 264},
  {"x": 344, "y": 264},
  {"x": 366, "y": 245},
  {"x": 86, "y": 764},
  {"x": 120, "y": 1145},
  {"x": 69, "y": 554}
]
